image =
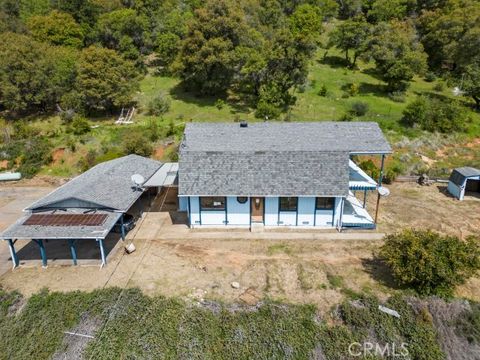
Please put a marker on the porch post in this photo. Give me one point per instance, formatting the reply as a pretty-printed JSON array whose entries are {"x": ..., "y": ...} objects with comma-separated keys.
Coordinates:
[
  {"x": 73, "y": 250},
  {"x": 380, "y": 178},
  {"x": 13, "y": 253},
  {"x": 364, "y": 198},
  {"x": 102, "y": 252},
  {"x": 43, "y": 253},
  {"x": 340, "y": 220},
  {"x": 122, "y": 225}
]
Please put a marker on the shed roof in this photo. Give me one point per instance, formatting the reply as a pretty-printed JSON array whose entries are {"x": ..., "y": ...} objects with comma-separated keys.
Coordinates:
[
  {"x": 280, "y": 173},
  {"x": 105, "y": 186},
  {"x": 459, "y": 175},
  {"x": 354, "y": 137}
]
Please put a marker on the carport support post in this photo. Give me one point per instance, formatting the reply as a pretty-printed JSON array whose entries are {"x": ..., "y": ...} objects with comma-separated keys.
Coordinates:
[
  {"x": 122, "y": 226},
  {"x": 43, "y": 253},
  {"x": 102, "y": 252},
  {"x": 13, "y": 253},
  {"x": 73, "y": 250}
]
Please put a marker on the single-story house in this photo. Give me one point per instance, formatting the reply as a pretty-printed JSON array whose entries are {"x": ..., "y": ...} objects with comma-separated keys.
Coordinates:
[
  {"x": 277, "y": 174},
  {"x": 463, "y": 180},
  {"x": 85, "y": 208}
]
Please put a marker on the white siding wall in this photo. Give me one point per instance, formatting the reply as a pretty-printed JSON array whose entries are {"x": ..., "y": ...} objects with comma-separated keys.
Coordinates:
[
  {"x": 271, "y": 211},
  {"x": 213, "y": 217},
  {"x": 238, "y": 214},
  {"x": 194, "y": 210},
  {"x": 306, "y": 211}
]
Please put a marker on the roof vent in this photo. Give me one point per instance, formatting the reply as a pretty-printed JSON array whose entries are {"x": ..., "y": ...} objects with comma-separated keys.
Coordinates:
[{"x": 243, "y": 124}]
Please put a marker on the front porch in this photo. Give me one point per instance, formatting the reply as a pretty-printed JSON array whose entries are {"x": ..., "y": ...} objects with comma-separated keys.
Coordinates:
[{"x": 355, "y": 215}]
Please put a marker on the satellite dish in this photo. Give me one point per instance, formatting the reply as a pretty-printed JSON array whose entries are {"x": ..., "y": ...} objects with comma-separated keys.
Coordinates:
[
  {"x": 383, "y": 191},
  {"x": 138, "y": 180}
]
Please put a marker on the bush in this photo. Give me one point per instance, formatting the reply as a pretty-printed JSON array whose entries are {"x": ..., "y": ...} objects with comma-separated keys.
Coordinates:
[
  {"x": 159, "y": 105},
  {"x": 219, "y": 104},
  {"x": 346, "y": 117},
  {"x": 430, "y": 77},
  {"x": 359, "y": 108},
  {"x": 137, "y": 143},
  {"x": 432, "y": 114},
  {"x": 370, "y": 168},
  {"x": 323, "y": 91},
  {"x": 79, "y": 126},
  {"x": 468, "y": 324},
  {"x": 266, "y": 110},
  {"x": 439, "y": 86},
  {"x": 397, "y": 96},
  {"x": 430, "y": 263},
  {"x": 353, "y": 89}
]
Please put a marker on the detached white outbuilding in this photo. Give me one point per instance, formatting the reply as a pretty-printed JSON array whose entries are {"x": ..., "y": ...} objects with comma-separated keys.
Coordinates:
[{"x": 464, "y": 180}]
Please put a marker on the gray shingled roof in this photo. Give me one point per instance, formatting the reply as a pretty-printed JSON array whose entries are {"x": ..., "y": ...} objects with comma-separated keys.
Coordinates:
[
  {"x": 355, "y": 137},
  {"x": 106, "y": 185},
  {"x": 20, "y": 231},
  {"x": 280, "y": 173},
  {"x": 273, "y": 159}
]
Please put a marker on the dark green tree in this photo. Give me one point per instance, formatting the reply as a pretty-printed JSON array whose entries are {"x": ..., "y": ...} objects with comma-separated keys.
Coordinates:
[
  {"x": 351, "y": 35},
  {"x": 105, "y": 80},
  {"x": 56, "y": 28},
  {"x": 124, "y": 31},
  {"x": 207, "y": 60},
  {"x": 397, "y": 53},
  {"x": 33, "y": 76}
]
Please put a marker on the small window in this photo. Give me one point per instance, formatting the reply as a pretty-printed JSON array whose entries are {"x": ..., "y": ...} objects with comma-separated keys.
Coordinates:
[
  {"x": 288, "y": 203},
  {"x": 242, "y": 199},
  {"x": 212, "y": 203},
  {"x": 325, "y": 203}
]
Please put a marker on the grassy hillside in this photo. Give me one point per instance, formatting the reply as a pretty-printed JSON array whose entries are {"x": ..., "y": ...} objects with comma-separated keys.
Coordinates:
[
  {"x": 131, "y": 325},
  {"x": 416, "y": 151}
]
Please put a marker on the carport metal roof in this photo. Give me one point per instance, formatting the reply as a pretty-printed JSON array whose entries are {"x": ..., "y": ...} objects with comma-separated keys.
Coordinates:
[{"x": 21, "y": 231}]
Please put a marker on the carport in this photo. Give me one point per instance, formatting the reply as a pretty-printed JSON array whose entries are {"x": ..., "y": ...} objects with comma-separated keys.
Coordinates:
[
  {"x": 464, "y": 180},
  {"x": 85, "y": 208}
]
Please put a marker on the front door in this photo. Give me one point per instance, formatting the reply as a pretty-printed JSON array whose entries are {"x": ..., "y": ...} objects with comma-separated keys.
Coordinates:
[{"x": 257, "y": 204}]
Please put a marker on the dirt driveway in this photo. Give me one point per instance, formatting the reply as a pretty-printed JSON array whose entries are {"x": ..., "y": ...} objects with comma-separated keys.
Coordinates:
[{"x": 292, "y": 266}]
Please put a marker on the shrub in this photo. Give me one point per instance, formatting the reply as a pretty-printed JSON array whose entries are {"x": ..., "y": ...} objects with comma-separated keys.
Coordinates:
[
  {"x": 397, "y": 96},
  {"x": 430, "y": 263},
  {"x": 323, "y": 91},
  {"x": 432, "y": 114},
  {"x": 219, "y": 104},
  {"x": 359, "y": 108},
  {"x": 346, "y": 117},
  {"x": 79, "y": 126},
  {"x": 159, "y": 105},
  {"x": 430, "y": 77},
  {"x": 88, "y": 160},
  {"x": 370, "y": 168},
  {"x": 439, "y": 86},
  {"x": 137, "y": 143},
  {"x": 267, "y": 110},
  {"x": 353, "y": 89},
  {"x": 468, "y": 324}
]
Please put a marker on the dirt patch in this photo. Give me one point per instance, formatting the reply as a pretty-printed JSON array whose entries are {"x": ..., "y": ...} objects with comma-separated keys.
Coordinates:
[
  {"x": 4, "y": 164},
  {"x": 57, "y": 155},
  {"x": 75, "y": 342},
  {"x": 37, "y": 181},
  {"x": 412, "y": 205}
]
